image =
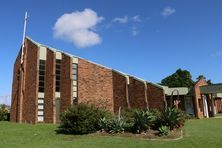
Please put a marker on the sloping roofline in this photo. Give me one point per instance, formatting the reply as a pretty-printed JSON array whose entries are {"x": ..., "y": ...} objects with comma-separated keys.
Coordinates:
[{"x": 70, "y": 55}]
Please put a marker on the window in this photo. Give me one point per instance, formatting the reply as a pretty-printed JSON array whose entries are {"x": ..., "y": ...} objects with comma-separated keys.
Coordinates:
[
  {"x": 40, "y": 109},
  {"x": 41, "y": 75},
  {"x": 58, "y": 74},
  {"x": 74, "y": 78}
]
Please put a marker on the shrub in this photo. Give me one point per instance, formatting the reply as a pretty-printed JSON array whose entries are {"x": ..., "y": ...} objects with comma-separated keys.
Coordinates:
[
  {"x": 173, "y": 118},
  {"x": 158, "y": 122},
  {"x": 81, "y": 119},
  {"x": 163, "y": 131},
  {"x": 143, "y": 120},
  {"x": 127, "y": 115},
  {"x": 113, "y": 125},
  {"x": 4, "y": 114}
]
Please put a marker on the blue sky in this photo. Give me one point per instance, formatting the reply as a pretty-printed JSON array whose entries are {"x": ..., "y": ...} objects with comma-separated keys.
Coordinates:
[{"x": 146, "y": 38}]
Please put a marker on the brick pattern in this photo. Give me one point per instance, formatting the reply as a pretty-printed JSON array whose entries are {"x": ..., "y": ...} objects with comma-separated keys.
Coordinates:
[
  {"x": 95, "y": 85},
  {"x": 49, "y": 101},
  {"x": 137, "y": 93},
  {"x": 31, "y": 83},
  {"x": 198, "y": 110},
  {"x": 15, "y": 90},
  {"x": 66, "y": 82},
  {"x": 155, "y": 97},
  {"x": 119, "y": 91}
]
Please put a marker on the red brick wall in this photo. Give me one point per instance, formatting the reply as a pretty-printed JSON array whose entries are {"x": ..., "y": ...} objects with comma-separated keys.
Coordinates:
[
  {"x": 31, "y": 83},
  {"x": 218, "y": 104},
  {"x": 66, "y": 82},
  {"x": 15, "y": 92},
  {"x": 119, "y": 91},
  {"x": 137, "y": 94},
  {"x": 198, "y": 111},
  {"x": 95, "y": 85},
  {"x": 155, "y": 97},
  {"x": 49, "y": 102}
]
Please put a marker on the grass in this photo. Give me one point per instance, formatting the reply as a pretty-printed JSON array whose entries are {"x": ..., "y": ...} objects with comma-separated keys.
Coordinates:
[{"x": 197, "y": 133}]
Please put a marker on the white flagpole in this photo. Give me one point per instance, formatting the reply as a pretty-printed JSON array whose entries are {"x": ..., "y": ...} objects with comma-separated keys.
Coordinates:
[{"x": 23, "y": 39}]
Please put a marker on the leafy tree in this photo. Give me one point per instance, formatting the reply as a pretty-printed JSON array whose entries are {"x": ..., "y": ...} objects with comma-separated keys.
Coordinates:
[
  {"x": 202, "y": 76},
  {"x": 181, "y": 78}
]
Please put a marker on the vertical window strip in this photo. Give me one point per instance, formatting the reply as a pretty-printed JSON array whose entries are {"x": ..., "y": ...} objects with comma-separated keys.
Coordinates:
[
  {"x": 58, "y": 74},
  {"x": 75, "y": 79},
  {"x": 40, "y": 112}
]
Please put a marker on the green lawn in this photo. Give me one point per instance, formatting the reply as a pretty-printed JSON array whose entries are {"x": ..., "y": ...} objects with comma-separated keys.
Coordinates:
[{"x": 197, "y": 133}]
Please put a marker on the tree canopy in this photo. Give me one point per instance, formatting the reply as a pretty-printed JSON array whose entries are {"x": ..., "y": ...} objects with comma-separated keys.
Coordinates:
[{"x": 181, "y": 78}]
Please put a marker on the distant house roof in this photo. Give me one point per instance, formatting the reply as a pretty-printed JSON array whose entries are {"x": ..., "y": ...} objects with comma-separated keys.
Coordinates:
[
  {"x": 181, "y": 90},
  {"x": 214, "y": 88}
]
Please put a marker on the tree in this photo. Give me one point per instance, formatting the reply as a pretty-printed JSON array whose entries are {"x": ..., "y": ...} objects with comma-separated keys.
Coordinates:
[
  {"x": 181, "y": 78},
  {"x": 209, "y": 82}
]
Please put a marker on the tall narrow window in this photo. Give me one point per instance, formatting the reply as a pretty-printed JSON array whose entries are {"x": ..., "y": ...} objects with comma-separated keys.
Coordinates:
[
  {"x": 58, "y": 74},
  {"x": 74, "y": 78},
  {"x": 41, "y": 90},
  {"x": 41, "y": 75}
]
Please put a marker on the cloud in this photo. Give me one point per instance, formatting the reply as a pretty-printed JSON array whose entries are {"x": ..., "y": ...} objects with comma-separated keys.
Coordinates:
[
  {"x": 134, "y": 31},
  {"x": 121, "y": 20},
  {"x": 136, "y": 18},
  {"x": 78, "y": 27},
  {"x": 168, "y": 11},
  {"x": 217, "y": 54}
]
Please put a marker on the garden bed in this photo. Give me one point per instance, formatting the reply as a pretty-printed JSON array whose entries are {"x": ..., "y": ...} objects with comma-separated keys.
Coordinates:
[{"x": 149, "y": 135}]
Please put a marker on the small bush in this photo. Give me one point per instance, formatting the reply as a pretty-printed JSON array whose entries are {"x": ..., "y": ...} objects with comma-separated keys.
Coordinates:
[
  {"x": 173, "y": 118},
  {"x": 143, "y": 120},
  {"x": 158, "y": 122},
  {"x": 4, "y": 114},
  {"x": 81, "y": 119},
  {"x": 127, "y": 115},
  {"x": 112, "y": 126},
  {"x": 163, "y": 131}
]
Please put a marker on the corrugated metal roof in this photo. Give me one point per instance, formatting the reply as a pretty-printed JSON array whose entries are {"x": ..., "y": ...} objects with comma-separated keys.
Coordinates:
[{"x": 181, "y": 90}]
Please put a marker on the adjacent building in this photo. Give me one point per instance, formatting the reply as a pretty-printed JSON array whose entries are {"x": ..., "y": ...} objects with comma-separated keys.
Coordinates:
[
  {"x": 47, "y": 81},
  {"x": 201, "y": 100}
]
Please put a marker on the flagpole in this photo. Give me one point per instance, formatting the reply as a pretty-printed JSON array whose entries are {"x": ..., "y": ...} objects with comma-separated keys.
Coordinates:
[{"x": 23, "y": 38}]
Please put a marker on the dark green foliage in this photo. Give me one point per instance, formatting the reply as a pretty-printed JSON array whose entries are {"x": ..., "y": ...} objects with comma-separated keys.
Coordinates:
[
  {"x": 113, "y": 125},
  {"x": 127, "y": 115},
  {"x": 173, "y": 118},
  {"x": 209, "y": 82},
  {"x": 163, "y": 131},
  {"x": 143, "y": 120},
  {"x": 181, "y": 78},
  {"x": 81, "y": 119},
  {"x": 158, "y": 122},
  {"x": 4, "y": 114}
]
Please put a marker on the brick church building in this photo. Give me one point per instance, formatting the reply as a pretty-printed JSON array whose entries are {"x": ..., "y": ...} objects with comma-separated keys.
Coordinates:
[{"x": 49, "y": 81}]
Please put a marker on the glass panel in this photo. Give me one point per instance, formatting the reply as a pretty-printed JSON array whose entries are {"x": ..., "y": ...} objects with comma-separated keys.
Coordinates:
[
  {"x": 41, "y": 62},
  {"x": 74, "y": 77},
  {"x": 41, "y": 67},
  {"x": 74, "y": 71},
  {"x": 74, "y": 66},
  {"x": 41, "y": 89},
  {"x": 41, "y": 72}
]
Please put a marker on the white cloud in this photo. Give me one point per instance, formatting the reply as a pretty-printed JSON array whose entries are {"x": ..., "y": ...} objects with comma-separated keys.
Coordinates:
[
  {"x": 217, "y": 54},
  {"x": 136, "y": 18},
  {"x": 121, "y": 20},
  {"x": 168, "y": 11},
  {"x": 78, "y": 27},
  {"x": 134, "y": 31}
]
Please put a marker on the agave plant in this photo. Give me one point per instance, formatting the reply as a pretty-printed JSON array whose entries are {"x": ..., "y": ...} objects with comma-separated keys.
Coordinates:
[
  {"x": 143, "y": 120},
  {"x": 163, "y": 131},
  {"x": 172, "y": 118}
]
